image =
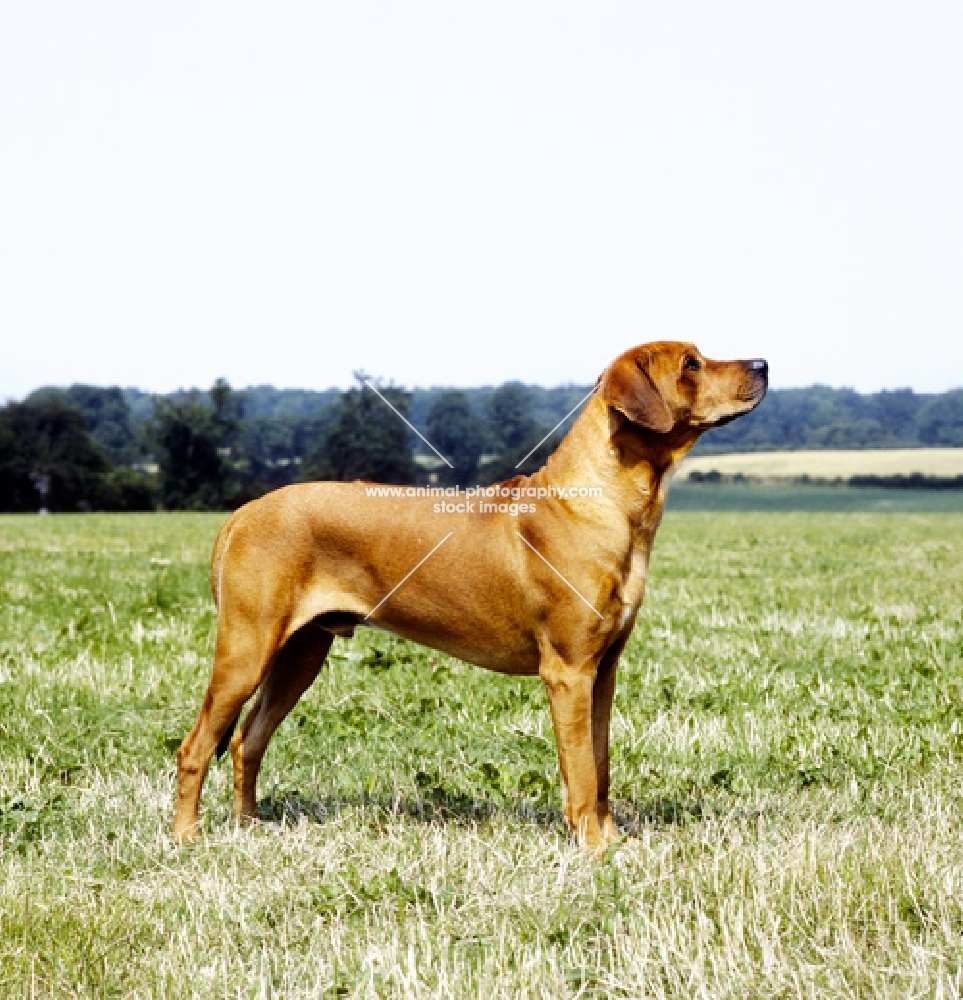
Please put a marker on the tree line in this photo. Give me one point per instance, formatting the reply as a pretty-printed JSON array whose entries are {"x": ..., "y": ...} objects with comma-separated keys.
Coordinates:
[
  {"x": 821, "y": 417},
  {"x": 104, "y": 448}
]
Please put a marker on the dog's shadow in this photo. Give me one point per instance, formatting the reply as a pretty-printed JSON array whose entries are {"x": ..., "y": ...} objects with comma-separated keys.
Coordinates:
[{"x": 291, "y": 807}]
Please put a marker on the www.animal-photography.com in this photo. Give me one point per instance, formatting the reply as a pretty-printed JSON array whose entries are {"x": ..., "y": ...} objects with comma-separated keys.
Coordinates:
[{"x": 481, "y": 501}]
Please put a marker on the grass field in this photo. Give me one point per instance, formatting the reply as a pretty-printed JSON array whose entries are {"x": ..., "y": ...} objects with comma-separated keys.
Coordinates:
[
  {"x": 788, "y": 766},
  {"x": 814, "y": 498},
  {"x": 941, "y": 462}
]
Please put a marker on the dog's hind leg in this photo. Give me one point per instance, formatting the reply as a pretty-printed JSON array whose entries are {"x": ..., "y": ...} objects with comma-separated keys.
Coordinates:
[
  {"x": 242, "y": 657},
  {"x": 291, "y": 674}
]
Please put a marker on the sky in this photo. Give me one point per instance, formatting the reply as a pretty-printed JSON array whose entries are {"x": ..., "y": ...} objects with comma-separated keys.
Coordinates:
[{"x": 463, "y": 194}]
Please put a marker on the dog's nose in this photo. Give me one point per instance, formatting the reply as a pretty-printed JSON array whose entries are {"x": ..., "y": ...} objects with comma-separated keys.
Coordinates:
[{"x": 760, "y": 365}]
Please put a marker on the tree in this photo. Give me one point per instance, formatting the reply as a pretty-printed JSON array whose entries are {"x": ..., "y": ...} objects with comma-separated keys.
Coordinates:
[
  {"x": 228, "y": 411},
  {"x": 48, "y": 458},
  {"x": 194, "y": 439},
  {"x": 511, "y": 407},
  {"x": 270, "y": 451},
  {"x": 459, "y": 434},
  {"x": 940, "y": 420},
  {"x": 535, "y": 455},
  {"x": 365, "y": 440},
  {"x": 107, "y": 415}
]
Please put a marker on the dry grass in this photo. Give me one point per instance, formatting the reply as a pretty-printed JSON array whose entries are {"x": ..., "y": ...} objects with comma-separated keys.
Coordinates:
[{"x": 943, "y": 462}]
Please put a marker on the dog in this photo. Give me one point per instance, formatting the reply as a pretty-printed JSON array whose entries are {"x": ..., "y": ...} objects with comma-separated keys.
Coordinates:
[{"x": 551, "y": 587}]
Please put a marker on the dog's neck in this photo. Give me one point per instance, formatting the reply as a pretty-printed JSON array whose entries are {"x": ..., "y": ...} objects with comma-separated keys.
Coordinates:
[{"x": 633, "y": 466}]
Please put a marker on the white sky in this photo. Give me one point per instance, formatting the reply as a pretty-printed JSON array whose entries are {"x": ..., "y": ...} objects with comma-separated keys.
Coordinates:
[{"x": 466, "y": 193}]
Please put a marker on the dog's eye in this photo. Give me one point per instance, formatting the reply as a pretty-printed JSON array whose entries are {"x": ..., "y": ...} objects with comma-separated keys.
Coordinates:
[{"x": 692, "y": 364}]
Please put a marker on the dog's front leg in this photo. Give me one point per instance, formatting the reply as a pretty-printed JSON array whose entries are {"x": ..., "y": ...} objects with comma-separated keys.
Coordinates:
[
  {"x": 570, "y": 697},
  {"x": 603, "y": 693}
]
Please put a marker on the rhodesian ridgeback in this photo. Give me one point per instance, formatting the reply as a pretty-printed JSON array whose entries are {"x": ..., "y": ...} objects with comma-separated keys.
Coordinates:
[{"x": 549, "y": 587}]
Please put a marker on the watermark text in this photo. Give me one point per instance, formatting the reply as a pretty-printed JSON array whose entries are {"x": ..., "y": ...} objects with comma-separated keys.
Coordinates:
[{"x": 498, "y": 499}]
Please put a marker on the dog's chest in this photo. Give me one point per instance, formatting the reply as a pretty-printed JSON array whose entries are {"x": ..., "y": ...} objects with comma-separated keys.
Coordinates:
[{"x": 633, "y": 584}]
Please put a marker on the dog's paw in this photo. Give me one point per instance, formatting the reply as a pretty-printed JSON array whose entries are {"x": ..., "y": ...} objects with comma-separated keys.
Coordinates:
[
  {"x": 598, "y": 838},
  {"x": 188, "y": 835}
]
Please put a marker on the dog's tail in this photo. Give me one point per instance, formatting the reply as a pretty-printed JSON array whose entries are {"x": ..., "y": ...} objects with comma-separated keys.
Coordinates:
[
  {"x": 217, "y": 556},
  {"x": 225, "y": 740},
  {"x": 217, "y": 562}
]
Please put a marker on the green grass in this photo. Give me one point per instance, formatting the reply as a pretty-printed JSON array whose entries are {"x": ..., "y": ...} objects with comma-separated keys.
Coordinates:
[
  {"x": 813, "y": 498},
  {"x": 788, "y": 766}
]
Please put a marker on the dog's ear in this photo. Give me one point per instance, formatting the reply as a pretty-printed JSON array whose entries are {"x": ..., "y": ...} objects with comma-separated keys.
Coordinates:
[{"x": 626, "y": 385}]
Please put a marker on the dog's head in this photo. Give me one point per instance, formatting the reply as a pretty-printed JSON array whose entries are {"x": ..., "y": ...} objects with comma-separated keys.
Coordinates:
[{"x": 669, "y": 386}]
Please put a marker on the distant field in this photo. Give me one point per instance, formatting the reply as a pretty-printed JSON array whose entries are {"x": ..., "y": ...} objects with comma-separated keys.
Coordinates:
[
  {"x": 788, "y": 766},
  {"x": 945, "y": 462}
]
